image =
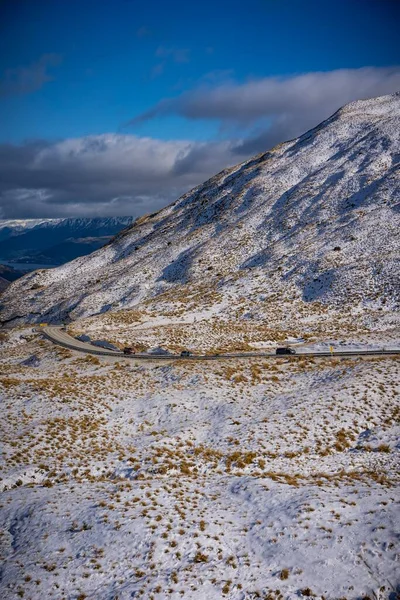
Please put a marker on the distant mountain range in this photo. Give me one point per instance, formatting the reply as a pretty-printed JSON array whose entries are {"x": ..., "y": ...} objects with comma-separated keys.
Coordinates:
[
  {"x": 302, "y": 236},
  {"x": 55, "y": 241}
]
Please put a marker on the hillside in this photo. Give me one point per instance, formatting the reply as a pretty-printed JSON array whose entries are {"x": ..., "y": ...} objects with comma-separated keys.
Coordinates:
[{"x": 302, "y": 239}]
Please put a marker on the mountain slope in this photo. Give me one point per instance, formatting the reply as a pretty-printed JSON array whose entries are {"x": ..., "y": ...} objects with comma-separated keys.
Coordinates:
[
  {"x": 4, "y": 283},
  {"x": 287, "y": 239}
]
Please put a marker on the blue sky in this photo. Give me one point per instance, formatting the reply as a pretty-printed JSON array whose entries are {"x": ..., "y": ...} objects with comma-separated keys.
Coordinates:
[{"x": 208, "y": 73}]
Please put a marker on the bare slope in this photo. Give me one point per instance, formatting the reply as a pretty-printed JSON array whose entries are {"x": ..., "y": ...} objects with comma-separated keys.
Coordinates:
[{"x": 312, "y": 223}]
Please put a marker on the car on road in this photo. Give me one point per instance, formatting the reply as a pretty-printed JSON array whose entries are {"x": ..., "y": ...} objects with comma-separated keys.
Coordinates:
[
  {"x": 185, "y": 353},
  {"x": 128, "y": 350},
  {"x": 285, "y": 350}
]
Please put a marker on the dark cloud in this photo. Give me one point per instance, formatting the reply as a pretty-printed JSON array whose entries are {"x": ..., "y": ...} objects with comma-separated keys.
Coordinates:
[
  {"x": 25, "y": 80},
  {"x": 283, "y": 128},
  {"x": 103, "y": 175},
  {"x": 291, "y": 104}
]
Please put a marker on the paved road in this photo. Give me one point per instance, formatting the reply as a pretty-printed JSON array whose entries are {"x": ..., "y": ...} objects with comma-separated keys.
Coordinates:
[{"x": 58, "y": 336}]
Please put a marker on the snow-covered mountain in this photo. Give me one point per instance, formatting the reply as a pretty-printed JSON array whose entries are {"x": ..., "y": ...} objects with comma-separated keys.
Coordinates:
[
  {"x": 17, "y": 225},
  {"x": 302, "y": 234},
  {"x": 55, "y": 241}
]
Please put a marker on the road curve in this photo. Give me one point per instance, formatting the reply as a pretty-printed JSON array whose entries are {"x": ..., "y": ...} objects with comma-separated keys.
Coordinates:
[{"x": 60, "y": 337}]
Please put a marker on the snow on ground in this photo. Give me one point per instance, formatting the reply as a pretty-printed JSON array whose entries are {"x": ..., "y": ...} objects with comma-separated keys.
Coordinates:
[
  {"x": 228, "y": 480},
  {"x": 227, "y": 331}
]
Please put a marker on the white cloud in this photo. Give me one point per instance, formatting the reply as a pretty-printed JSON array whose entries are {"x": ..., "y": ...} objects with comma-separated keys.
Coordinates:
[{"x": 278, "y": 107}]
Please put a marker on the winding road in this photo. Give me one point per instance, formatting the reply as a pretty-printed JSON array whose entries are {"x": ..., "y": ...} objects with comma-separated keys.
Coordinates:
[{"x": 59, "y": 336}]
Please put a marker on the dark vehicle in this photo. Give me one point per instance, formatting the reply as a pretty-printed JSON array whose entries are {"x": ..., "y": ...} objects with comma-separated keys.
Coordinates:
[
  {"x": 129, "y": 350},
  {"x": 285, "y": 351},
  {"x": 185, "y": 353}
]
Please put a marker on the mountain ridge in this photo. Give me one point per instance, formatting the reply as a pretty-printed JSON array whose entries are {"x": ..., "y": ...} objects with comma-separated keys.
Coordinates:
[{"x": 27, "y": 240}]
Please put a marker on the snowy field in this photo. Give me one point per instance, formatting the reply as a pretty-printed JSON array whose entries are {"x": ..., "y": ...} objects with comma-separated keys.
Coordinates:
[
  {"x": 307, "y": 328},
  {"x": 263, "y": 479}
]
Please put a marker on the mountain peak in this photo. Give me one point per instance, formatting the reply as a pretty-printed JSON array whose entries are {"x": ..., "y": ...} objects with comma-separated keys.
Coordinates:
[{"x": 382, "y": 105}]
